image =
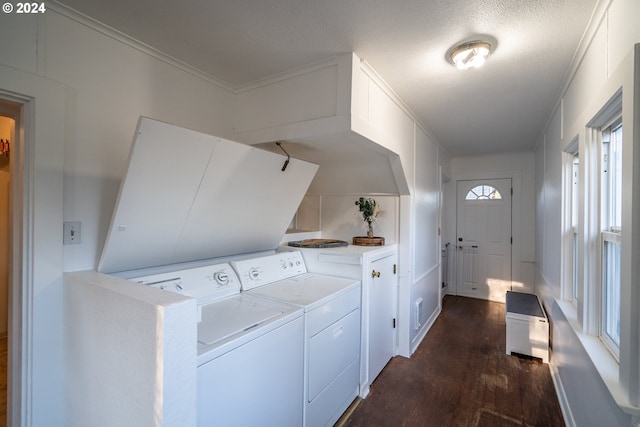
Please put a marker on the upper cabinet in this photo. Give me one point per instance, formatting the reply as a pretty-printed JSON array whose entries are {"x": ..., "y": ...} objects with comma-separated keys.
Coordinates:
[{"x": 340, "y": 115}]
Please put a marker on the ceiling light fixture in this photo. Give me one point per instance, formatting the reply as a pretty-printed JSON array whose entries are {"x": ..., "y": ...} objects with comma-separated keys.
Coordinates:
[{"x": 470, "y": 54}]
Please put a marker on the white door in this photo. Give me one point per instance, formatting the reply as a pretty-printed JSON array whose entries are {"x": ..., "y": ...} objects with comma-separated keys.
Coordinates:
[
  {"x": 381, "y": 315},
  {"x": 483, "y": 246}
]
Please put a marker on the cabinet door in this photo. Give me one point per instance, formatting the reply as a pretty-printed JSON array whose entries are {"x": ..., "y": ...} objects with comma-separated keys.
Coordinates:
[{"x": 382, "y": 313}]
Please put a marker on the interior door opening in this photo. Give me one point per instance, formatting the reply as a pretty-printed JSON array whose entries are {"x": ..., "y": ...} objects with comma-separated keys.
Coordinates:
[
  {"x": 7, "y": 126},
  {"x": 9, "y": 145}
]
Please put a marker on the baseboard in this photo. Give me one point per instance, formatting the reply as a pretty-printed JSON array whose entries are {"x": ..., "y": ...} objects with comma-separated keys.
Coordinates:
[
  {"x": 423, "y": 333},
  {"x": 342, "y": 421},
  {"x": 562, "y": 396}
]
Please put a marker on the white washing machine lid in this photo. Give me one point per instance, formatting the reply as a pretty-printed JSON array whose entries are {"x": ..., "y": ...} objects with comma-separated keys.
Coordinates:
[
  {"x": 234, "y": 315},
  {"x": 233, "y": 321},
  {"x": 306, "y": 290}
]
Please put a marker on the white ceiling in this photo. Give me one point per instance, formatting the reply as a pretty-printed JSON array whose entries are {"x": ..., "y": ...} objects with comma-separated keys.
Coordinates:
[{"x": 501, "y": 107}]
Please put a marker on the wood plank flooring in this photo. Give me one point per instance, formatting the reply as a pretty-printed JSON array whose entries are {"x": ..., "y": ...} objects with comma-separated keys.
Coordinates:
[
  {"x": 461, "y": 376},
  {"x": 3, "y": 380}
]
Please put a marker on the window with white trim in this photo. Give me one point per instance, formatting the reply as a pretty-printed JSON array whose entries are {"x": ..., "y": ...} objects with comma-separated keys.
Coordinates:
[
  {"x": 483, "y": 192},
  {"x": 575, "y": 167},
  {"x": 611, "y": 228},
  {"x": 570, "y": 222}
]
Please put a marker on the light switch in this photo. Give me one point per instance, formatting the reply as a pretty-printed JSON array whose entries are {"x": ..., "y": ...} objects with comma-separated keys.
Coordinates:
[{"x": 71, "y": 233}]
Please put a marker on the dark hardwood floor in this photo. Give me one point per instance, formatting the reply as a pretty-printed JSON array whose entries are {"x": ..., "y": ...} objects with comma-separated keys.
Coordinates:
[
  {"x": 3, "y": 381},
  {"x": 461, "y": 376}
]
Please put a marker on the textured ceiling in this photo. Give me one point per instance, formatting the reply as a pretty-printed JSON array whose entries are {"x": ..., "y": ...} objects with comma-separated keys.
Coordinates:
[{"x": 500, "y": 107}]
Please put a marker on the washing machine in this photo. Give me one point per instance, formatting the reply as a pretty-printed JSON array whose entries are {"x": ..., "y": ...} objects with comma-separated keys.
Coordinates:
[
  {"x": 250, "y": 350},
  {"x": 331, "y": 328}
]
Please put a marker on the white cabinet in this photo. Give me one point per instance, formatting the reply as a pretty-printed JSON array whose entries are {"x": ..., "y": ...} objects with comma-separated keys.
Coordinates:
[
  {"x": 381, "y": 314},
  {"x": 375, "y": 267}
]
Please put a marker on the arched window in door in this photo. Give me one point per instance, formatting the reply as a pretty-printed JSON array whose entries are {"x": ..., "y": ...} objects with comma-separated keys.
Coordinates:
[{"x": 483, "y": 192}]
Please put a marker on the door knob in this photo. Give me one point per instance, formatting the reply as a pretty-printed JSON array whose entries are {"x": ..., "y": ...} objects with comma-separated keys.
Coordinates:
[{"x": 375, "y": 273}]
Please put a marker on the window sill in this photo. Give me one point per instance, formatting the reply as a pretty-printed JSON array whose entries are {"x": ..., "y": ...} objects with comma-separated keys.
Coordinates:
[{"x": 606, "y": 365}]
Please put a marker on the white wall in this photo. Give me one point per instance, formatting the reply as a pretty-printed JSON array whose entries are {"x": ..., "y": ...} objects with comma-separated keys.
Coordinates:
[
  {"x": 603, "y": 65},
  {"x": 425, "y": 265},
  {"x": 338, "y": 217},
  {"x": 520, "y": 168}
]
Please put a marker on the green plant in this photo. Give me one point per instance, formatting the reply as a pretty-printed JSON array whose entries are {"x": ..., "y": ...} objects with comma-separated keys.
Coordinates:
[{"x": 369, "y": 209}]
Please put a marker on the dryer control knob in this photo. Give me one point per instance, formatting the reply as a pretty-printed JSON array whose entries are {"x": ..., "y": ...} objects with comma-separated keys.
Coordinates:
[{"x": 253, "y": 273}]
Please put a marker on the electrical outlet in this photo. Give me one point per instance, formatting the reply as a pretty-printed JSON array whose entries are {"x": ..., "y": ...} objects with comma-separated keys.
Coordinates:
[{"x": 71, "y": 233}]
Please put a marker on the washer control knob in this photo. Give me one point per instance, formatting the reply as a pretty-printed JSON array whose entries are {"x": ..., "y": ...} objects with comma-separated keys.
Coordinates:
[{"x": 221, "y": 278}]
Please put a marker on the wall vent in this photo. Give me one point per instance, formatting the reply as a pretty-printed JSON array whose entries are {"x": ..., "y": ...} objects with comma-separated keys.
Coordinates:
[{"x": 419, "y": 313}]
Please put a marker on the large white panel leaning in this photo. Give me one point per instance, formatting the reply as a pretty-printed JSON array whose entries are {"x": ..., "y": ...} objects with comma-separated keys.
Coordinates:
[{"x": 190, "y": 196}]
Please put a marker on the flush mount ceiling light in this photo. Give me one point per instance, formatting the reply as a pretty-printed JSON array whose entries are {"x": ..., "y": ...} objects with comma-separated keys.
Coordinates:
[{"x": 470, "y": 54}]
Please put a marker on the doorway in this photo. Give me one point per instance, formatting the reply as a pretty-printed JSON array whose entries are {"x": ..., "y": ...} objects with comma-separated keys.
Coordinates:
[
  {"x": 484, "y": 238},
  {"x": 7, "y": 139}
]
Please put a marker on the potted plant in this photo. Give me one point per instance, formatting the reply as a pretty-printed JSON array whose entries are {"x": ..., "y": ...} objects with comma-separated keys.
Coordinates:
[{"x": 369, "y": 209}]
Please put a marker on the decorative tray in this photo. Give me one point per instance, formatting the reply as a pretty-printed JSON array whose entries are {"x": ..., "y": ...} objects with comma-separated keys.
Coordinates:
[{"x": 318, "y": 243}]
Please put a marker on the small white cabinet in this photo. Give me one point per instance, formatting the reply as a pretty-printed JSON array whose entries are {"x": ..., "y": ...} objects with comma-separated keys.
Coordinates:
[
  {"x": 527, "y": 326},
  {"x": 381, "y": 314}
]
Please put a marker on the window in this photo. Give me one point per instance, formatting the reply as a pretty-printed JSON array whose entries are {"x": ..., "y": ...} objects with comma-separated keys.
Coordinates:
[
  {"x": 611, "y": 292},
  {"x": 483, "y": 192},
  {"x": 611, "y": 228},
  {"x": 570, "y": 221},
  {"x": 575, "y": 166},
  {"x": 612, "y": 176}
]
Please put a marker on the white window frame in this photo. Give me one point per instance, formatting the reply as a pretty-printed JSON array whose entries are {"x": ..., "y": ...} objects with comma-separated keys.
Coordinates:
[
  {"x": 483, "y": 192},
  {"x": 613, "y": 345},
  {"x": 610, "y": 232},
  {"x": 572, "y": 211},
  {"x": 592, "y": 237}
]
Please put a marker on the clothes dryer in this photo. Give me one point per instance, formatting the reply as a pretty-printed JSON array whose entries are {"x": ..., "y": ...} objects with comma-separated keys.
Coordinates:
[{"x": 332, "y": 328}]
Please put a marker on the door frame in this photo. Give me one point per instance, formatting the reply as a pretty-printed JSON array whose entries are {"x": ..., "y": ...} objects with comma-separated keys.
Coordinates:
[
  {"x": 516, "y": 218},
  {"x": 35, "y": 371},
  {"x": 14, "y": 109}
]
